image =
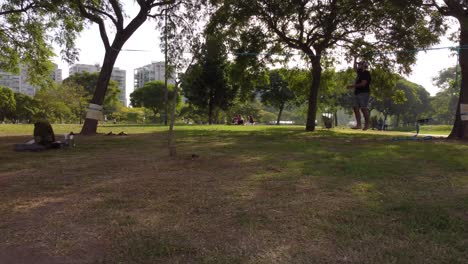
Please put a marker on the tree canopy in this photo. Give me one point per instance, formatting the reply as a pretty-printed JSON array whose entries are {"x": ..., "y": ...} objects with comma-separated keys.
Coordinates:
[
  {"x": 26, "y": 108},
  {"x": 151, "y": 96},
  {"x": 363, "y": 28},
  {"x": 277, "y": 92},
  {"x": 7, "y": 103},
  {"x": 206, "y": 83},
  {"x": 27, "y": 30}
]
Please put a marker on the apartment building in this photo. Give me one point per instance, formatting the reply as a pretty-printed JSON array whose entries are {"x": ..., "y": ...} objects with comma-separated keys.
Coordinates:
[
  {"x": 19, "y": 82},
  {"x": 151, "y": 72},
  {"x": 118, "y": 75}
]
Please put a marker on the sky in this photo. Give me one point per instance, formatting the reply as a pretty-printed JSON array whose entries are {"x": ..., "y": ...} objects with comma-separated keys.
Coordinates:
[{"x": 146, "y": 41}]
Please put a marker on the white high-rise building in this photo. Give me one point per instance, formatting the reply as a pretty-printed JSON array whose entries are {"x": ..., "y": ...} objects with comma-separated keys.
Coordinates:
[
  {"x": 151, "y": 72},
  {"x": 57, "y": 74},
  {"x": 120, "y": 76},
  {"x": 117, "y": 75},
  {"x": 77, "y": 68},
  {"x": 19, "y": 84}
]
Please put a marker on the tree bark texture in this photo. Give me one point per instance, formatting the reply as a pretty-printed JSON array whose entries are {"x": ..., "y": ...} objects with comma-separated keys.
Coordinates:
[
  {"x": 90, "y": 125},
  {"x": 460, "y": 127},
  {"x": 313, "y": 94},
  {"x": 170, "y": 135}
]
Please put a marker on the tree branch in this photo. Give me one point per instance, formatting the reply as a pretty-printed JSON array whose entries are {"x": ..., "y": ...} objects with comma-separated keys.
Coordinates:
[
  {"x": 96, "y": 19},
  {"x": 161, "y": 13},
  {"x": 455, "y": 7},
  {"x": 330, "y": 24},
  {"x": 21, "y": 10},
  {"x": 301, "y": 21},
  {"x": 102, "y": 13},
  {"x": 444, "y": 10},
  {"x": 293, "y": 43},
  {"x": 162, "y": 3},
  {"x": 118, "y": 13},
  {"x": 136, "y": 22}
]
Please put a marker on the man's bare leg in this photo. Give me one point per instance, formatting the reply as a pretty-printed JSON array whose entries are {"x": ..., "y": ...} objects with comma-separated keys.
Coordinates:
[
  {"x": 365, "y": 112},
  {"x": 357, "y": 114}
]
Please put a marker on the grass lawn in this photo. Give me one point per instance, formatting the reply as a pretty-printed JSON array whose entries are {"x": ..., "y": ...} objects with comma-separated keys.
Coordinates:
[
  {"x": 261, "y": 194},
  {"x": 442, "y": 130}
]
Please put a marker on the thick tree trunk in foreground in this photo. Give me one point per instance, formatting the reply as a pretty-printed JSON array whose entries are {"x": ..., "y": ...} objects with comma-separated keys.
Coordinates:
[
  {"x": 313, "y": 93},
  {"x": 112, "y": 52},
  {"x": 460, "y": 127},
  {"x": 90, "y": 125}
]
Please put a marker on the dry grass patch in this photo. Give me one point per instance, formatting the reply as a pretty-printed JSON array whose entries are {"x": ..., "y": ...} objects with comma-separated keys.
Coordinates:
[{"x": 250, "y": 196}]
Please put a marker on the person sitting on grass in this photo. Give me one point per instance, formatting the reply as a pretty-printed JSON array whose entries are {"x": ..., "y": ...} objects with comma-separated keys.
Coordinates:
[
  {"x": 44, "y": 138},
  {"x": 44, "y": 134},
  {"x": 235, "y": 120},
  {"x": 250, "y": 120},
  {"x": 240, "y": 120}
]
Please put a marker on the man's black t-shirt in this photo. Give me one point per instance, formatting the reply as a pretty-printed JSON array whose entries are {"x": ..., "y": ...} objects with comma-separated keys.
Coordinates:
[{"x": 363, "y": 75}]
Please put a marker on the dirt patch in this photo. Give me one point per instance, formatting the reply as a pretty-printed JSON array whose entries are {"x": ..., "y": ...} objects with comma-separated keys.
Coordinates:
[{"x": 29, "y": 255}]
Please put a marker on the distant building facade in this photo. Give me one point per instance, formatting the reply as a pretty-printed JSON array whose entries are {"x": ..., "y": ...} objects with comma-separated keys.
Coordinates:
[
  {"x": 151, "y": 72},
  {"x": 19, "y": 83},
  {"x": 78, "y": 68},
  {"x": 57, "y": 74},
  {"x": 118, "y": 75}
]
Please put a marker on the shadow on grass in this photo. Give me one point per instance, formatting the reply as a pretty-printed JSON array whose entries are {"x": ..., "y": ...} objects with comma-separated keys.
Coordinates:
[{"x": 268, "y": 195}]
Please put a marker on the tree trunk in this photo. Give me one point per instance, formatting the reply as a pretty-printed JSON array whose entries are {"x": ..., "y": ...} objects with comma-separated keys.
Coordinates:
[
  {"x": 336, "y": 118},
  {"x": 80, "y": 113},
  {"x": 453, "y": 105},
  {"x": 460, "y": 127},
  {"x": 170, "y": 136},
  {"x": 210, "y": 112},
  {"x": 279, "y": 114},
  {"x": 90, "y": 125},
  {"x": 112, "y": 52},
  {"x": 313, "y": 93},
  {"x": 166, "y": 92},
  {"x": 216, "y": 117},
  {"x": 166, "y": 100}
]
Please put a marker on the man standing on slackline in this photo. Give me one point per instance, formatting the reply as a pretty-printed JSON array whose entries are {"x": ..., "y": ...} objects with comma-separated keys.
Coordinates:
[{"x": 361, "y": 94}]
